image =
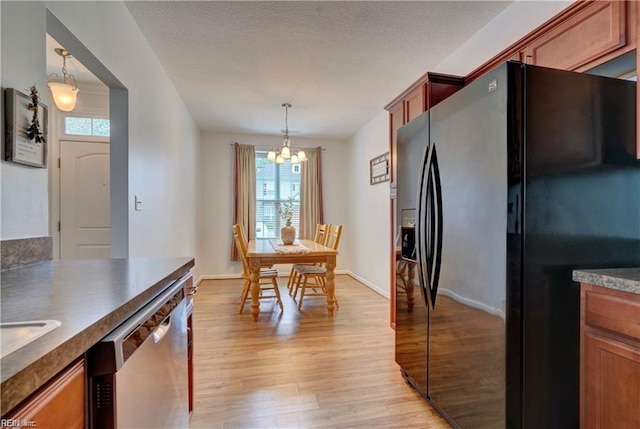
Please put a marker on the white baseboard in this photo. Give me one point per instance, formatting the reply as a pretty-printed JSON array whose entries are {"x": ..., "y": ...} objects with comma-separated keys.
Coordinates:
[
  {"x": 218, "y": 277},
  {"x": 237, "y": 276},
  {"x": 367, "y": 283},
  {"x": 284, "y": 274}
]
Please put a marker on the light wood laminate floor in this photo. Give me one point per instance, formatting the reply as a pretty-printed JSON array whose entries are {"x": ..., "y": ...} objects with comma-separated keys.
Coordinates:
[{"x": 300, "y": 369}]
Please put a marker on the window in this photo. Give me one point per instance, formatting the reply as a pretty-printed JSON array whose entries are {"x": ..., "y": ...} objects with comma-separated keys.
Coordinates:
[
  {"x": 275, "y": 183},
  {"x": 95, "y": 127}
]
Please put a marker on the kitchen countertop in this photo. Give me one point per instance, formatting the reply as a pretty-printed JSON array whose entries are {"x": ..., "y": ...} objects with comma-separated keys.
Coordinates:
[
  {"x": 624, "y": 279},
  {"x": 89, "y": 297}
]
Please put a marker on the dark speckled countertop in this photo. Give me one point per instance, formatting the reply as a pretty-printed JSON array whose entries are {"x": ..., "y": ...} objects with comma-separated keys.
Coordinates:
[
  {"x": 624, "y": 279},
  {"x": 89, "y": 297}
]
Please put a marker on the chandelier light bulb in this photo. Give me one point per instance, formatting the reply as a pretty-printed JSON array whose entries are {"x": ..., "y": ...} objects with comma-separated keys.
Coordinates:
[
  {"x": 301, "y": 155},
  {"x": 294, "y": 159},
  {"x": 271, "y": 156},
  {"x": 286, "y": 152},
  {"x": 279, "y": 159}
]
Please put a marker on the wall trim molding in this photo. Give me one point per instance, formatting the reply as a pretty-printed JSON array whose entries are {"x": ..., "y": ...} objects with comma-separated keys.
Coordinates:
[
  {"x": 217, "y": 277},
  {"x": 375, "y": 288}
]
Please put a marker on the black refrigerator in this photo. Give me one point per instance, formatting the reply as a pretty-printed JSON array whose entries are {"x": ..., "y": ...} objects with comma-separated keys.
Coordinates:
[{"x": 512, "y": 183}]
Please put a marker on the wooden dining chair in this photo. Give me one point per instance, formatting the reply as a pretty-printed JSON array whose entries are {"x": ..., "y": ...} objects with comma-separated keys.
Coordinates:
[
  {"x": 267, "y": 279},
  {"x": 320, "y": 238},
  {"x": 313, "y": 277}
]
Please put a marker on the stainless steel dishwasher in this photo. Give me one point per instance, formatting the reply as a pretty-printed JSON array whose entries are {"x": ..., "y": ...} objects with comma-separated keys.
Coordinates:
[{"x": 138, "y": 374}]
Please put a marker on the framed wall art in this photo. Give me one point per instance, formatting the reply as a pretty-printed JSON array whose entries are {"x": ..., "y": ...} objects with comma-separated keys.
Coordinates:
[
  {"x": 25, "y": 128},
  {"x": 379, "y": 169}
]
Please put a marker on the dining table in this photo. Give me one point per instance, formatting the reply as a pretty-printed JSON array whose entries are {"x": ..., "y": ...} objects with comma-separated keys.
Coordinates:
[{"x": 268, "y": 252}]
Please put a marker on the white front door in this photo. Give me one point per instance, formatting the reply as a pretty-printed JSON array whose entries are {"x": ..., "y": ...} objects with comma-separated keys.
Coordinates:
[{"x": 85, "y": 218}]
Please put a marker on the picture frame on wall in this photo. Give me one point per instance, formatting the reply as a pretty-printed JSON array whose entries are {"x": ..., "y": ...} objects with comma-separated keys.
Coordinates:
[
  {"x": 379, "y": 169},
  {"x": 19, "y": 124}
]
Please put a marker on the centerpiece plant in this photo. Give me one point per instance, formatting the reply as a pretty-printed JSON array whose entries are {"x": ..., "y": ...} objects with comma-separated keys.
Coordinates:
[
  {"x": 286, "y": 210},
  {"x": 288, "y": 232}
]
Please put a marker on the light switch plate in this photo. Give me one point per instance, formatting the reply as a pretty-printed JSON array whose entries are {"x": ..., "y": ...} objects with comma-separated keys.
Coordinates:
[{"x": 138, "y": 204}]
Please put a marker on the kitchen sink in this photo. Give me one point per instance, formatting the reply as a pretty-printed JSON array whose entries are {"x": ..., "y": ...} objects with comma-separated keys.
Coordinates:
[{"x": 15, "y": 335}]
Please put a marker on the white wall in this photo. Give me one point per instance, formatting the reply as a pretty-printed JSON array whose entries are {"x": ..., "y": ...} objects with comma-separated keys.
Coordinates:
[
  {"x": 369, "y": 211},
  {"x": 217, "y": 196},
  {"x": 163, "y": 137},
  {"x": 25, "y": 199}
]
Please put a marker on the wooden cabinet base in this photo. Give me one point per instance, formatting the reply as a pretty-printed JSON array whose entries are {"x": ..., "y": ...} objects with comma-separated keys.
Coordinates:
[
  {"x": 191, "y": 291},
  {"x": 190, "y": 361},
  {"x": 613, "y": 385},
  {"x": 609, "y": 359},
  {"x": 59, "y": 404}
]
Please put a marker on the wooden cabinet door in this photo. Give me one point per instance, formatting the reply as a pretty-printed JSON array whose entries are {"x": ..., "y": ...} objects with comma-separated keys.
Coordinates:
[
  {"x": 593, "y": 32},
  {"x": 611, "y": 384},
  {"x": 414, "y": 103},
  {"x": 59, "y": 404}
]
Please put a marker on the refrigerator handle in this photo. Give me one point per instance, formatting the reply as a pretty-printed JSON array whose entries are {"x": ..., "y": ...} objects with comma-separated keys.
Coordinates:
[
  {"x": 419, "y": 226},
  {"x": 426, "y": 233},
  {"x": 436, "y": 227}
]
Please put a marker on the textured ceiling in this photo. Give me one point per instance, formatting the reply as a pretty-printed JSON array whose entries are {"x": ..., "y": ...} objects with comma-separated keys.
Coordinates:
[{"x": 337, "y": 63}]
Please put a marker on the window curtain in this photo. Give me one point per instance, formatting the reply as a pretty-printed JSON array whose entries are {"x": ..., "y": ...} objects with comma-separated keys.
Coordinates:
[
  {"x": 311, "y": 213},
  {"x": 244, "y": 192}
]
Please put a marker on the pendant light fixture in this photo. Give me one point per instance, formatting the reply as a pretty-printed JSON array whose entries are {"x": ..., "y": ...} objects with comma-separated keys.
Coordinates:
[
  {"x": 63, "y": 88},
  {"x": 286, "y": 151}
]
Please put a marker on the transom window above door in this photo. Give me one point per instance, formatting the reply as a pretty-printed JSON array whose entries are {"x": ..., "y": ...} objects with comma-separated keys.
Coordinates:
[{"x": 85, "y": 126}]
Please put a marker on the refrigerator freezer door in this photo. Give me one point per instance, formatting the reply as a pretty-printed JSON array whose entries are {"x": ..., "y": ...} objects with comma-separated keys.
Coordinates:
[
  {"x": 411, "y": 307},
  {"x": 466, "y": 375}
]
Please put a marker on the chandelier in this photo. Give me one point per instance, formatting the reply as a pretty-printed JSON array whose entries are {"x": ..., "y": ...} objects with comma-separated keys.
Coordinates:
[
  {"x": 286, "y": 151},
  {"x": 64, "y": 88}
]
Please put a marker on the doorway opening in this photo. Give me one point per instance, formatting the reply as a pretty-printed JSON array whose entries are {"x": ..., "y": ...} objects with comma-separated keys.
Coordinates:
[{"x": 93, "y": 193}]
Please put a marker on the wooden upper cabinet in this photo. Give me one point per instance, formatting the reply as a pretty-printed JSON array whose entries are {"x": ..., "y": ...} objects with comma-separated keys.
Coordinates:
[
  {"x": 425, "y": 93},
  {"x": 600, "y": 31}
]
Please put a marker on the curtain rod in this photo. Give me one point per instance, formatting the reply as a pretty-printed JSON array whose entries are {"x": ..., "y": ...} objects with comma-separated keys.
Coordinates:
[{"x": 267, "y": 148}]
